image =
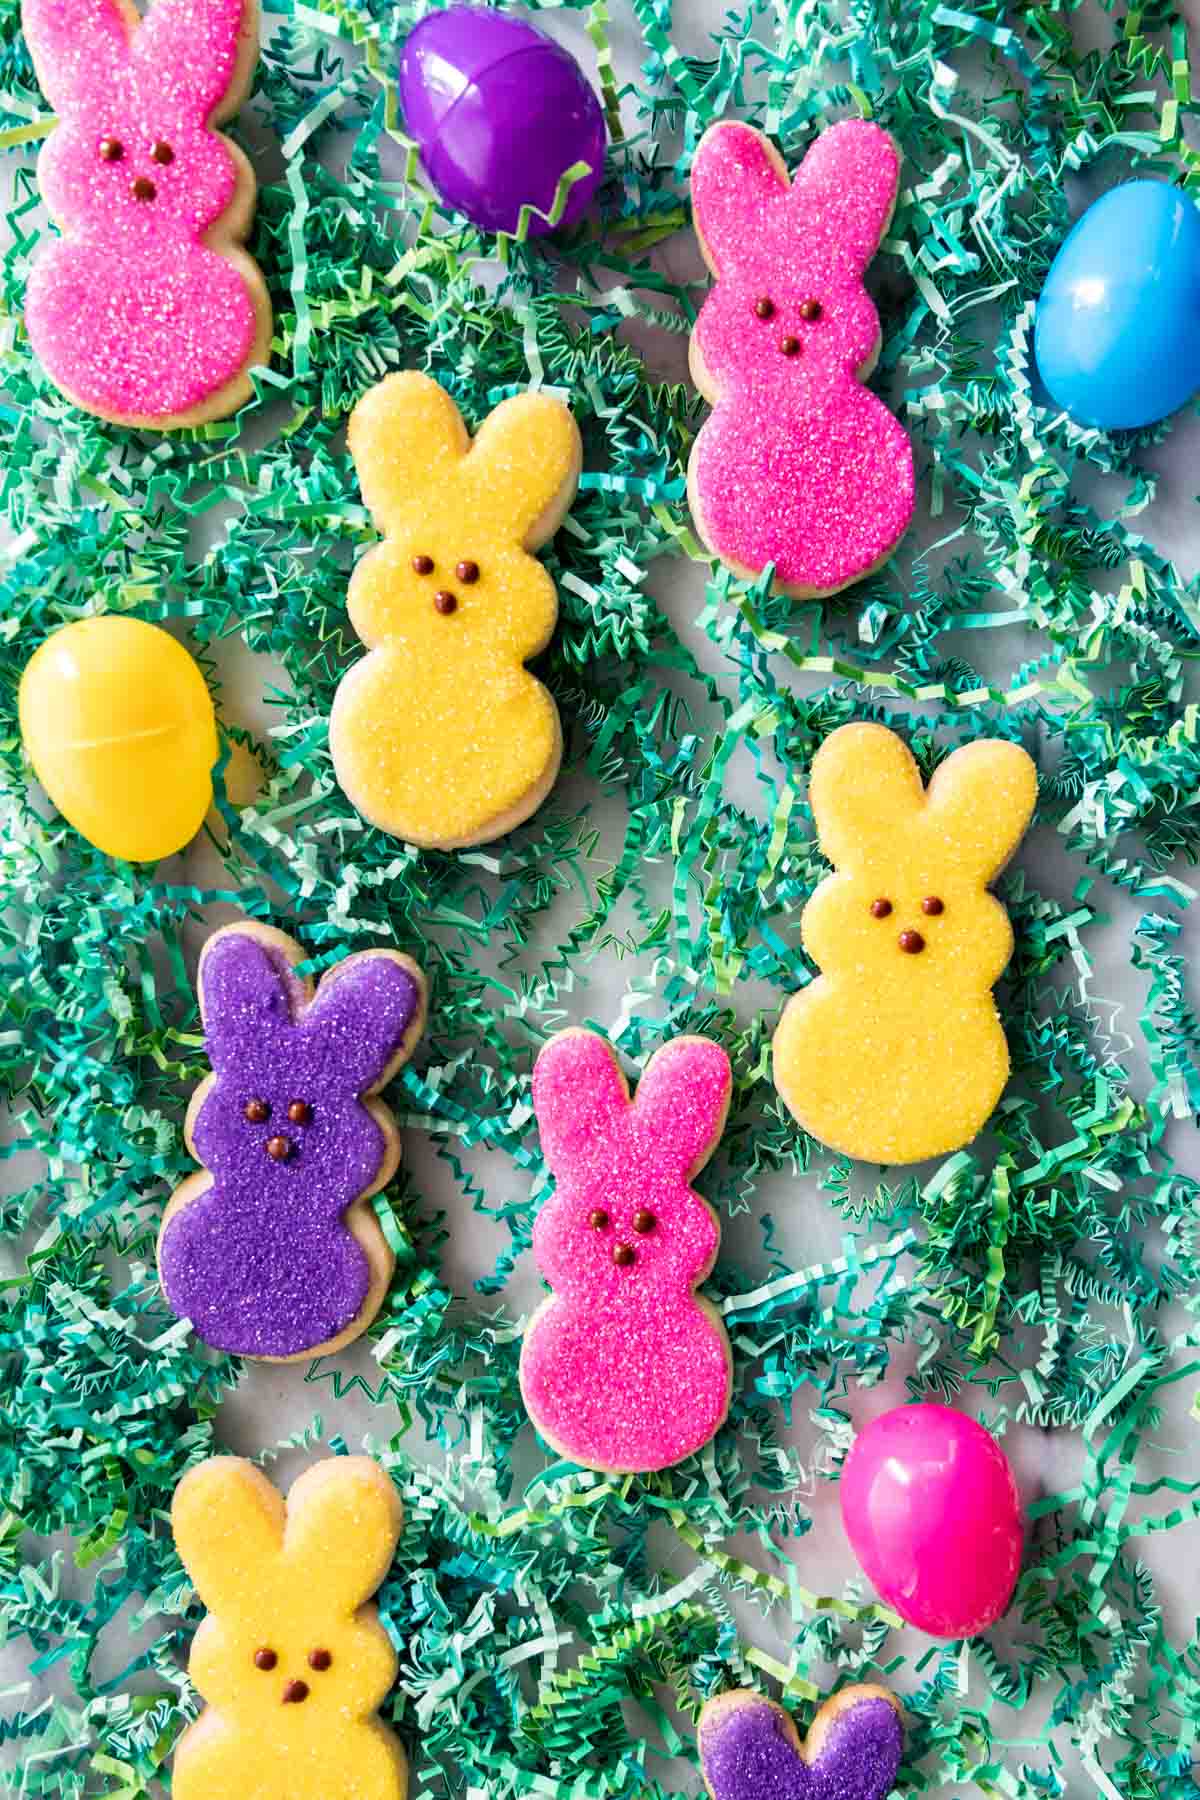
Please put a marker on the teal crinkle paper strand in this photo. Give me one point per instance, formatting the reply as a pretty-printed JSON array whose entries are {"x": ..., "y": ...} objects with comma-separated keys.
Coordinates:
[{"x": 551, "y": 1643}]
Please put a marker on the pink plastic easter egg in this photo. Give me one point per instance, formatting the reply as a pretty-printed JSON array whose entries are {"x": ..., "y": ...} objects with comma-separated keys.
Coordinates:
[{"x": 933, "y": 1515}]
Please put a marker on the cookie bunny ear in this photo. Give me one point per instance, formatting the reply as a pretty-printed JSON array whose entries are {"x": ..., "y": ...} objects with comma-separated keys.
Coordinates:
[
  {"x": 203, "y": 48},
  {"x": 580, "y": 1097},
  {"x": 864, "y": 787},
  {"x": 983, "y": 799},
  {"x": 407, "y": 438},
  {"x": 523, "y": 469},
  {"x": 79, "y": 47},
  {"x": 343, "y": 1522},
  {"x": 246, "y": 996},
  {"x": 228, "y": 1524},
  {"x": 853, "y": 171},
  {"x": 682, "y": 1102},
  {"x": 370, "y": 1010},
  {"x": 736, "y": 171}
]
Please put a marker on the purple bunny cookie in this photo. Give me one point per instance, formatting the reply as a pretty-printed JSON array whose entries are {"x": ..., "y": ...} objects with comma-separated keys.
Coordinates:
[
  {"x": 751, "y": 1750},
  {"x": 270, "y": 1250}
]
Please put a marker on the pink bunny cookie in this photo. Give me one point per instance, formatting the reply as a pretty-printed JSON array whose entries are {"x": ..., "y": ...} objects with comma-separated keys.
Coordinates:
[
  {"x": 624, "y": 1368},
  {"x": 146, "y": 311},
  {"x": 799, "y": 465}
]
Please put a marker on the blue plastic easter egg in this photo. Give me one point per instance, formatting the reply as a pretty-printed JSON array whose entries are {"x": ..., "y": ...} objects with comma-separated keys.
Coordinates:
[
  {"x": 1117, "y": 338},
  {"x": 499, "y": 112}
]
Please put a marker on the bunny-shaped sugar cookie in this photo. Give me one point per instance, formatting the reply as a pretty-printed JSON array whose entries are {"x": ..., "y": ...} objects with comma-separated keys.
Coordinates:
[
  {"x": 799, "y": 464},
  {"x": 624, "y": 1368},
  {"x": 750, "y": 1748},
  {"x": 271, "y": 1250},
  {"x": 441, "y": 736},
  {"x": 291, "y": 1658},
  {"x": 896, "y": 1052},
  {"x": 147, "y": 311}
]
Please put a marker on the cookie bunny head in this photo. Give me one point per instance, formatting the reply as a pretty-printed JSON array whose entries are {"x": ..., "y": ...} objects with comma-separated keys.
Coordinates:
[
  {"x": 287, "y": 1645},
  {"x": 908, "y": 908},
  {"x": 283, "y": 1107},
  {"x": 624, "y": 1219},
  {"x": 789, "y": 311},
  {"x": 750, "y": 1748},
  {"x": 459, "y": 518},
  {"x": 133, "y": 160}
]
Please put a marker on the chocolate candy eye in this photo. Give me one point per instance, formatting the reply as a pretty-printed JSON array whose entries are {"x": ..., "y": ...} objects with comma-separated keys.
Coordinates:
[
  {"x": 764, "y": 308},
  {"x": 299, "y": 1112},
  {"x": 265, "y": 1659},
  {"x": 467, "y": 570},
  {"x": 880, "y": 909},
  {"x": 163, "y": 153},
  {"x": 810, "y": 310},
  {"x": 644, "y": 1221},
  {"x": 111, "y": 149},
  {"x": 319, "y": 1659},
  {"x": 932, "y": 905},
  {"x": 422, "y": 565},
  {"x": 598, "y": 1220},
  {"x": 257, "y": 1111}
]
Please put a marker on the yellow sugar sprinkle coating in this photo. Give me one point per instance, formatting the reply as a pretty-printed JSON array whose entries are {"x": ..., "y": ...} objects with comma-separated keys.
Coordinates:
[
  {"x": 441, "y": 735},
  {"x": 896, "y": 1052},
  {"x": 291, "y": 1658}
]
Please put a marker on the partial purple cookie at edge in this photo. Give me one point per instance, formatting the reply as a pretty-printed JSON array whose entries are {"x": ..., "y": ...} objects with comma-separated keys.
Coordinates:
[{"x": 747, "y": 1754}]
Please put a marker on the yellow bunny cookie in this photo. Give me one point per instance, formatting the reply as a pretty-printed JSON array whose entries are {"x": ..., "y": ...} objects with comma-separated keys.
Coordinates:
[
  {"x": 441, "y": 735},
  {"x": 291, "y": 1659},
  {"x": 896, "y": 1052}
]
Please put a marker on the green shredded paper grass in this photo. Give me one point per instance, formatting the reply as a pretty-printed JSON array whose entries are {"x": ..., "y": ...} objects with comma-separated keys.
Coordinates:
[{"x": 548, "y": 1644}]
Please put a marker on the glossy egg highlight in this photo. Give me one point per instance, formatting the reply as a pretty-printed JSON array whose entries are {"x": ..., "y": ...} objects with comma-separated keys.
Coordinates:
[
  {"x": 1117, "y": 335},
  {"x": 933, "y": 1515},
  {"x": 119, "y": 726},
  {"x": 499, "y": 112}
]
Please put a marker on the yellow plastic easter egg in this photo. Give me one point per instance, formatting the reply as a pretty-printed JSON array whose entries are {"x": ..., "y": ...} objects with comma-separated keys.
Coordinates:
[{"x": 119, "y": 726}]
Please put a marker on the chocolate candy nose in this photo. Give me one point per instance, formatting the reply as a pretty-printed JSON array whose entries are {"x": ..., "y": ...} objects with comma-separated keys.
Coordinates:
[
  {"x": 144, "y": 188},
  {"x": 912, "y": 941},
  {"x": 279, "y": 1148},
  {"x": 294, "y": 1692}
]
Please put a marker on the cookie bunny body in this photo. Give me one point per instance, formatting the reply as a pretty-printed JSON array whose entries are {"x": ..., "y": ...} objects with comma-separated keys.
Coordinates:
[
  {"x": 271, "y": 1250},
  {"x": 291, "y": 1658},
  {"x": 624, "y": 1368},
  {"x": 441, "y": 736},
  {"x": 750, "y": 1748},
  {"x": 799, "y": 464},
  {"x": 896, "y": 1052},
  {"x": 146, "y": 311}
]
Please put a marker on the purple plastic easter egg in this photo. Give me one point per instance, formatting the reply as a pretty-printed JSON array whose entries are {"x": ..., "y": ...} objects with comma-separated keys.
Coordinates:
[
  {"x": 932, "y": 1512},
  {"x": 499, "y": 111}
]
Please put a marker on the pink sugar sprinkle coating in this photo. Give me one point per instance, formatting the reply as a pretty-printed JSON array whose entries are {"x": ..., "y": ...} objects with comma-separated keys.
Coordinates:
[
  {"x": 160, "y": 339},
  {"x": 799, "y": 464},
  {"x": 132, "y": 312},
  {"x": 624, "y": 1369}
]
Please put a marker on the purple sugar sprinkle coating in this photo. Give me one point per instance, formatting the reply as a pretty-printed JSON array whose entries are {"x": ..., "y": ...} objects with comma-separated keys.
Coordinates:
[
  {"x": 261, "y": 1262},
  {"x": 747, "y": 1755}
]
